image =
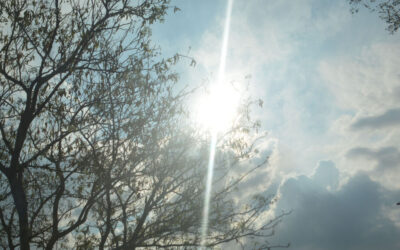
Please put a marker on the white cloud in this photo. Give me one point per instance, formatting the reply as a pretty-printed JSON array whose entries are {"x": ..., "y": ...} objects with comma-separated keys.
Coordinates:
[{"x": 367, "y": 83}]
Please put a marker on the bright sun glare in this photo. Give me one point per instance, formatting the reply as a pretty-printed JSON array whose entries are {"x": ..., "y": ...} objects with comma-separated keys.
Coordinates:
[
  {"x": 217, "y": 108},
  {"x": 216, "y": 112}
]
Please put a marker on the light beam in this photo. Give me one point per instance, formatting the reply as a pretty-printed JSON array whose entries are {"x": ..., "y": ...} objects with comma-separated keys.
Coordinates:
[{"x": 214, "y": 131}]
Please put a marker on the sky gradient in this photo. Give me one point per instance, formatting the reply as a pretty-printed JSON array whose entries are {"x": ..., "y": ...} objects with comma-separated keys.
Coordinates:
[{"x": 331, "y": 89}]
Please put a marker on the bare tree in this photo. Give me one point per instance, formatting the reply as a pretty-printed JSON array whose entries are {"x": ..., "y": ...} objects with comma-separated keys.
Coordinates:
[
  {"x": 389, "y": 11},
  {"x": 96, "y": 149}
]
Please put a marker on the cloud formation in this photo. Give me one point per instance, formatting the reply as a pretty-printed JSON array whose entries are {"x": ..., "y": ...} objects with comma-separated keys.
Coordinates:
[
  {"x": 349, "y": 218},
  {"x": 385, "y": 157},
  {"x": 365, "y": 81},
  {"x": 331, "y": 86},
  {"x": 388, "y": 119}
]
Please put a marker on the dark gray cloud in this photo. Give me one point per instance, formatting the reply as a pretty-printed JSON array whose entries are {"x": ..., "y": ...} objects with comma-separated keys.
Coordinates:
[
  {"x": 385, "y": 157},
  {"x": 350, "y": 218},
  {"x": 388, "y": 119}
]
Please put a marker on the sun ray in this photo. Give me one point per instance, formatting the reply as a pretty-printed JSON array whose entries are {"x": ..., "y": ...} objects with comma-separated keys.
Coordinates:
[{"x": 219, "y": 106}]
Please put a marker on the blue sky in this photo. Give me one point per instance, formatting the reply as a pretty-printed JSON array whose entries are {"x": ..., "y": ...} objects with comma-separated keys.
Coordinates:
[{"x": 331, "y": 90}]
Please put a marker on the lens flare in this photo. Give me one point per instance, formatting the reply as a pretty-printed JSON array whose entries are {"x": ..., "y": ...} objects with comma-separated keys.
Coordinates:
[{"x": 219, "y": 111}]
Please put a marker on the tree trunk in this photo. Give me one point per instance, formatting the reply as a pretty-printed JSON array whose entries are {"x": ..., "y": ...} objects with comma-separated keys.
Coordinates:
[{"x": 21, "y": 204}]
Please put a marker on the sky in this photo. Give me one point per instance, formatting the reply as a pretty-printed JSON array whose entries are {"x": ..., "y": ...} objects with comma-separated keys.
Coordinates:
[{"x": 331, "y": 89}]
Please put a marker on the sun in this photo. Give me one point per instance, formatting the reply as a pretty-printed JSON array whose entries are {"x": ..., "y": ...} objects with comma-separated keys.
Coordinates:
[{"x": 217, "y": 109}]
